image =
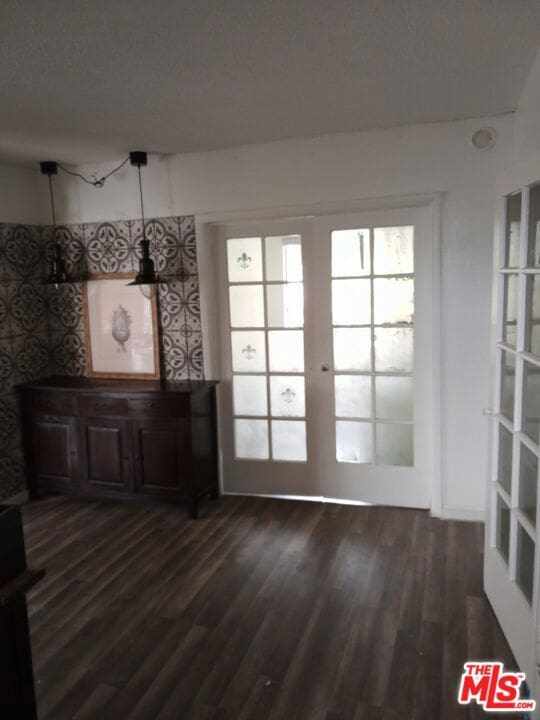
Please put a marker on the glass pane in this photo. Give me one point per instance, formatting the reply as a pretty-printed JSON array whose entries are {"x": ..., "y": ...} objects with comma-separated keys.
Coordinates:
[
  {"x": 394, "y": 398},
  {"x": 352, "y": 348},
  {"x": 506, "y": 444},
  {"x": 284, "y": 258},
  {"x": 353, "y": 395},
  {"x": 248, "y": 351},
  {"x": 249, "y": 394},
  {"x": 394, "y": 349},
  {"x": 513, "y": 228},
  {"x": 350, "y": 253},
  {"x": 503, "y": 527},
  {"x": 528, "y": 482},
  {"x": 285, "y": 305},
  {"x": 395, "y": 444},
  {"x": 531, "y": 400},
  {"x": 244, "y": 260},
  {"x": 511, "y": 301},
  {"x": 286, "y": 350},
  {"x": 289, "y": 440},
  {"x": 394, "y": 300},
  {"x": 534, "y": 226},
  {"x": 351, "y": 302},
  {"x": 251, "y": 439},
  {"x": 393, "y": 250},
  {"x": 532, "y": 341},
  {"x": 525, "y": 563},
  {"x": 508, "y": 361},
  {"x": 287, "y": 395},
  {"x": 353, "y": 441},
  {"x": 247, "y": 305}
]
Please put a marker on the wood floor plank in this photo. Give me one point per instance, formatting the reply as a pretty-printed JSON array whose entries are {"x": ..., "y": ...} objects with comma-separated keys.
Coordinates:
[{"x": 260, "y": 610}]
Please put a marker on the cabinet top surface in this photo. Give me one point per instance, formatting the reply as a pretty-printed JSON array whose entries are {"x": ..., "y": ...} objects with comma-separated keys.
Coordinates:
[{"x": 83, "y": 384}]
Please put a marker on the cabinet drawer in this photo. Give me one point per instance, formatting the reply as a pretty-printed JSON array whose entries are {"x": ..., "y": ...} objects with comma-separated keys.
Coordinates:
[
  {"x": 97, "y": 406},
  {"x": 54, "y": 403},
  {"x": 158, "y": 407}
]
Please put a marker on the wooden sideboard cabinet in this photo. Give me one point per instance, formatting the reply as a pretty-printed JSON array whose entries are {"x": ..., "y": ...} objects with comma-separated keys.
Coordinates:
[{"x": 121, "y": 438}]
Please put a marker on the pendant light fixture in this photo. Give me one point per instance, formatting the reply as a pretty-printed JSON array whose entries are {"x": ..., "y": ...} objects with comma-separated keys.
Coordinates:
[
  {"x": 147, "y": 273},
  {"x": 57, "y": 271}
]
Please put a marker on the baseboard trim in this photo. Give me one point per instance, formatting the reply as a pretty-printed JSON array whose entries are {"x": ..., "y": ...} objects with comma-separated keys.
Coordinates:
[
  {"x": 18, "y": 499},
  {"x": 466, "y": 514}
]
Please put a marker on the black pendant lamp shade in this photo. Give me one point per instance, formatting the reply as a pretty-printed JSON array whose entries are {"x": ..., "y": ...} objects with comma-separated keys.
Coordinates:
[
  {"x": 147, "y": 272},
  {"x": 57, "y": 269}
]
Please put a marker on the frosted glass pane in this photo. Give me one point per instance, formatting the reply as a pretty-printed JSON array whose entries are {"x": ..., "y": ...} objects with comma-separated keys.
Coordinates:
[
  {"x": 507, "y": 384},
  {"x": 286, "y": 350},
  {"x": 525, "y": 563},
  {"x": 353, "y": 441},
  {"x": 394, "y": 398},
  {"x": 511, "y": 299},
  {"x": 503, "y": 527},
  {"x": 289, "y": 440},
  {"x": 251, "y": 439},
  {"x": 533, "y": 315},
  {"x": 504, "y": 474},
  {"x": 284, "y": 258},
  {"x": 528, "y": 481},
  {"x": 353, "y": 396},
  {"x": 285, "y": 305},
  {"x": 248, "y": 351},
  {"x": 393, "y": 250},
  {"x": 352, "y": 349},
  {"x": 351, "y": 302},
  {"x": 531, "y": 401},
  {"x": 244, "y": 260},
  {"x": 287, "y": 396},
  {"x": 534, "y": 226},
  {"x": 394, "y": 349},
  {"x": 247, "y": 305},
  {"x": 395, "y": 444},
  {"x": 249, "y": 394},
  {"x": 394, "y": 300},
  {"x": 350, "y": 253},
  {"x": 513, "y": 229}
]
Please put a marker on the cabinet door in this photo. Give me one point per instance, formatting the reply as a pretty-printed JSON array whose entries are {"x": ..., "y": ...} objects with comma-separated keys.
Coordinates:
[
  {"x": 106, "y": 454},
  {"x": 55, "y": 459},
  {"x": 161, "y": 456}
]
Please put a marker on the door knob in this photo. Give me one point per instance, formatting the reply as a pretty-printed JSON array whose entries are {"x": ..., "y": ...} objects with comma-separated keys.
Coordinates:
[
  {"x": 325, "y": 367},
  {"x": 487, "y": 411}
]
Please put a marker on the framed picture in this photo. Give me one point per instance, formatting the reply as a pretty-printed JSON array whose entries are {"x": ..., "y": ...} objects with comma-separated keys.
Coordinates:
[{"x": 121, "y": 328}]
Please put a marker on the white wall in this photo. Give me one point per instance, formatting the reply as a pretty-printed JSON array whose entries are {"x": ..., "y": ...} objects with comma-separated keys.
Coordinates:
[
  {"x": 21, "y": 195},
  {"x": 401, "y": 161},
  {"x": 527, "y": 117}
]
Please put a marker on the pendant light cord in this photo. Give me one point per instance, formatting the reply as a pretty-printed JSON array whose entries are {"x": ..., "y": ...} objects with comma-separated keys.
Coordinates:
[
  {"x": 142, "y": 204},
  {"x": 96, "y": 182},
  {"x": 52, "y": 201}
]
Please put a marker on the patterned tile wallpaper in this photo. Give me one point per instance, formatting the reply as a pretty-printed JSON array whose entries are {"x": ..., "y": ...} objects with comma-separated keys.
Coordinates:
[{"x": 41, "y": 329}]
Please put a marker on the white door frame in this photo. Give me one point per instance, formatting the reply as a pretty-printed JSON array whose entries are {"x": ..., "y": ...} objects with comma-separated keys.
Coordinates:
[{"x": 206, "y": 234}]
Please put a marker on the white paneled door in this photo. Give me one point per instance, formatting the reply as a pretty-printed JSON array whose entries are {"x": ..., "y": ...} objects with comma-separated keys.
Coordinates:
[
  {"x": 327, "y": 328},
  {"x": 511, "y": 553}
]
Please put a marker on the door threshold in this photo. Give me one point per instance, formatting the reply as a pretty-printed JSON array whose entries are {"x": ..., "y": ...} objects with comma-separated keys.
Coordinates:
[{"x": 307, "y": 498}]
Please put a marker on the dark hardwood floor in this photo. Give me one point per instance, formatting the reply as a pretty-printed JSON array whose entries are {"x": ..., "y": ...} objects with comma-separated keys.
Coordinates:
[{"x": 259, "y": 609}]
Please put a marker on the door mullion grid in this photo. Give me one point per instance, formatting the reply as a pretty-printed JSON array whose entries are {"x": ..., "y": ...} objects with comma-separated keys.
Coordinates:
[
  {"x": 518, "y": 381},
  {"x": 374, "y": 453}
]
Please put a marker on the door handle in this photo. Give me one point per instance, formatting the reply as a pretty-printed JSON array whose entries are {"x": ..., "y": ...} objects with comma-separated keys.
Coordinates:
[
  {"x": 487, "y": 411},
  {"x": 325, "y": 367}
]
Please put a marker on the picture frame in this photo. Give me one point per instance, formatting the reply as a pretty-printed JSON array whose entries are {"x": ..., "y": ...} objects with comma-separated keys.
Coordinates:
[{"x": 120, "y": 328}]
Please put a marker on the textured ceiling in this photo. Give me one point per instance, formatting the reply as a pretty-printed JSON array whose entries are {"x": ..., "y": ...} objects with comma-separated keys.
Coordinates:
[{"x": 83, "y": 81}]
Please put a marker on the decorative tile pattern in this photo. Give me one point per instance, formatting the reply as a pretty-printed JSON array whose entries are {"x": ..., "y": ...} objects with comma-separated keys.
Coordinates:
[{"x": 41, "y": 328}]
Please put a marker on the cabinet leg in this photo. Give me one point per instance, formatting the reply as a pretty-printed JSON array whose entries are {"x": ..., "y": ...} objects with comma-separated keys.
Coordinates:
[
  {"x": 194, "y": 509},
  {"x": 214, "y": 493}
]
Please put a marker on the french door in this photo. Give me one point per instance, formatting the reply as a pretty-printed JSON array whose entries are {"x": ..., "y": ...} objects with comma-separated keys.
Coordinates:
[
  {"x": 327, "y": 364},
  {"x": 511, "y": 557}
]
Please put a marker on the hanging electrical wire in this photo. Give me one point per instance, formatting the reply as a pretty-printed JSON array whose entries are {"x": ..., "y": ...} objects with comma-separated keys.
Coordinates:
[{"x": 95, "y": 181}]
